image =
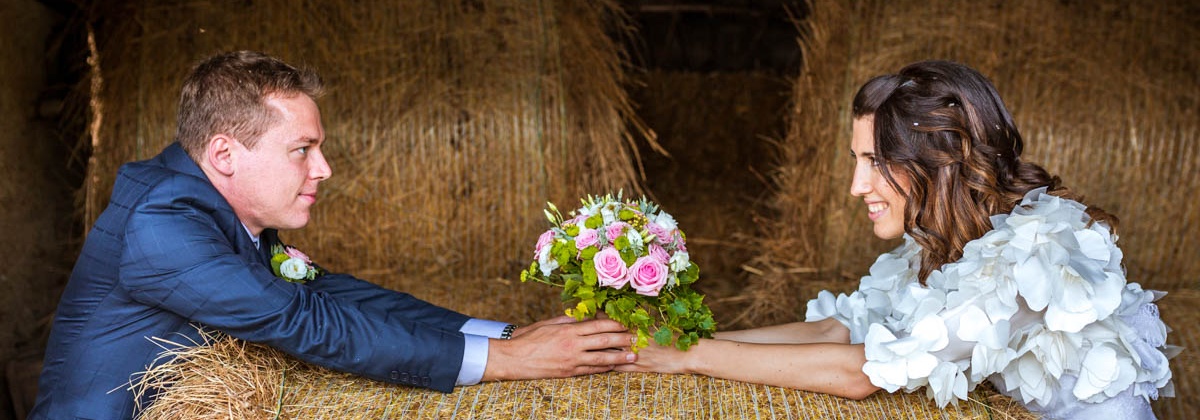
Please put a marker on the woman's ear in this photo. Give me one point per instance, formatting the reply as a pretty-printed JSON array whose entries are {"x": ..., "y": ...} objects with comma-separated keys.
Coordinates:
[{"x": 220, "y": 154}]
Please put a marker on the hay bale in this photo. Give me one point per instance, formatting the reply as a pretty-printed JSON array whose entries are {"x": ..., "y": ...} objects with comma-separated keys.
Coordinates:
[
  {"x": 450, "y": 124},
  {"x": 232, "y": 379}
]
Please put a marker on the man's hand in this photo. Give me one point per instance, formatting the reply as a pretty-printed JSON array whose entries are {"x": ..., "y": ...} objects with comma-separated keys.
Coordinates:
[{"x": 558, "y": 348}]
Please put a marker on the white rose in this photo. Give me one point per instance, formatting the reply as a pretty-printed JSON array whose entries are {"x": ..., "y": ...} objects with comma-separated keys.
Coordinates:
[
  {"x": 609, "y": 214},
  {"x": 546, "y": 263},
  {"x": 294, "y": 268},
  {"x": 679, "y": 261},
  {"x": 635, "y": 240},
  {"x": 666, "y": 221}
]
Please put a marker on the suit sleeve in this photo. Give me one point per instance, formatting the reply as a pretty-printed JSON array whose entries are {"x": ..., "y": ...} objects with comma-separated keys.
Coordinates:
[
  {"x": 389, "y": 303},
  {"x": 177, "y": 258}
]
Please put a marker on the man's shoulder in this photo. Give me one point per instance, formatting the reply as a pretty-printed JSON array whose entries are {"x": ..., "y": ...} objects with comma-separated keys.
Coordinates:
[{"x": 169, "y": 174}]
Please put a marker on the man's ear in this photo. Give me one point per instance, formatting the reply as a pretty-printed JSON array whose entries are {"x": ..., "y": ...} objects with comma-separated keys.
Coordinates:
[{"x": 220, "y": 154}]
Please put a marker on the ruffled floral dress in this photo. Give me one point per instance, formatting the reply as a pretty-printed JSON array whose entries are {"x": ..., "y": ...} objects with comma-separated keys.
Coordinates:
[{"x": 1039, "y": 306}]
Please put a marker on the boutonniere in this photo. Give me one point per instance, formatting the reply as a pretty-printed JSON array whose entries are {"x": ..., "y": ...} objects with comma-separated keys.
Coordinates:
[{"x": 290, "y": 264}]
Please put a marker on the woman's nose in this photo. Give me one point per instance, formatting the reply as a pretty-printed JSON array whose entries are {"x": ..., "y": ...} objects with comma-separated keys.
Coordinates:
[{"x": 860, "y": 184}]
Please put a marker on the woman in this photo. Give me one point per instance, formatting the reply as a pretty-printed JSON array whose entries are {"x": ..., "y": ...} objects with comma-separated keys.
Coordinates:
[{"x": 1002, "y": 276}]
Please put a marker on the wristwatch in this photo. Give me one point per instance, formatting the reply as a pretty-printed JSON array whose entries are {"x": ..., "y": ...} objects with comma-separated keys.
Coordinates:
[{"x": 507, "y": 333}]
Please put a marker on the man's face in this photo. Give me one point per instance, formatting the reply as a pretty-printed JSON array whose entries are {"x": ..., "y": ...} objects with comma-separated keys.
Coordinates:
[{"x": 274, "y": 184}]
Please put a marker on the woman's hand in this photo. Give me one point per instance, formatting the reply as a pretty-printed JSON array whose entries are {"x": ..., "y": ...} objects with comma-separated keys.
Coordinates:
[{"x": 663, "y": 359}]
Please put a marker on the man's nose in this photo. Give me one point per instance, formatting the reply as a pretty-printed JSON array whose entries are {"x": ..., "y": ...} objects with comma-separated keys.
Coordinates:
[{"x": 320, "y": 168}]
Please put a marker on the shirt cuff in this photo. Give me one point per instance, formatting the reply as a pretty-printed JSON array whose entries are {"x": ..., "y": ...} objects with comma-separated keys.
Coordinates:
[
  {"x": 474, "y": 360},
  {"x": 484, "y": 327}
]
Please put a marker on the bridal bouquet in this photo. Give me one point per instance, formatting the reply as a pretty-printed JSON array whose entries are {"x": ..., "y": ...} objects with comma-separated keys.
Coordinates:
[{"x": 629, "y": 260}]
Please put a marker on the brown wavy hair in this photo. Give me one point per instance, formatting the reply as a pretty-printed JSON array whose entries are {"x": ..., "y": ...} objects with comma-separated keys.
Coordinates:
[
  {"x": 942, "y": 126},
  {"x": 224, "y": 94}
]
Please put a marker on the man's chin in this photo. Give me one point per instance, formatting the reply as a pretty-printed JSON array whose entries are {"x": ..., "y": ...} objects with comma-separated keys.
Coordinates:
[{"x": 295, "y": 224}]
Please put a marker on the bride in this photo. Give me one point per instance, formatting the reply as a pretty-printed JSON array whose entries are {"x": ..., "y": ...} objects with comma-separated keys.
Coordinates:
[{"x": 1003, "y": 275}]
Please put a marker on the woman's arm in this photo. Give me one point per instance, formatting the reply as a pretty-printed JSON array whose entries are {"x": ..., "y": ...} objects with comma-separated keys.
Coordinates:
[
  {"x": 828, "y": 330},
  {"x": 829, "y": 368}
]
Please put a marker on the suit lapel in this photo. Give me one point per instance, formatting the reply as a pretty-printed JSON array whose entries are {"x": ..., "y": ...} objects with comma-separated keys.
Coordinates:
[{"x": 266, "y": 241}]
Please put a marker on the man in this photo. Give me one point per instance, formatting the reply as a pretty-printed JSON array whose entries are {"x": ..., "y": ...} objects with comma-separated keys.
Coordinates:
[{"x": 187, "y": 240}]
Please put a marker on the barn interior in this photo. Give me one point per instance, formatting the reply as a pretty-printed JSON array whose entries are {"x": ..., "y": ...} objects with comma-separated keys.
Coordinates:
[{"x": 455, "y": 122}]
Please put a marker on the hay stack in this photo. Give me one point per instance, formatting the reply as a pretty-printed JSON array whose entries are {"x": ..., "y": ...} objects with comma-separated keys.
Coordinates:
[
  {"x": 260, "y": 383},
  {"x": 1105, "y": 93},
  {"x": 450, "y": 124}
]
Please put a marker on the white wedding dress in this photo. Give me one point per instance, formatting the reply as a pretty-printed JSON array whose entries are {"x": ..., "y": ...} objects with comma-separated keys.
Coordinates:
[{"x": 1039, "y": 306}]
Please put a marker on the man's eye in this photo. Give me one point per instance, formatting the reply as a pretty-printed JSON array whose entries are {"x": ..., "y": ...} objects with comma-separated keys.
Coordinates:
[{"x": 303, "y": 150}]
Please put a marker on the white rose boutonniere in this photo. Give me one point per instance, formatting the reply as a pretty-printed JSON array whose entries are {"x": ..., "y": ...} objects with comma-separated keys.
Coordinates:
[{"x": 290, "y": 264}]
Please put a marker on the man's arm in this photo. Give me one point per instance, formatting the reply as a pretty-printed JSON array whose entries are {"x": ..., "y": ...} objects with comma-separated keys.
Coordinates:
[
  {"x": 389, "y": 303},
  {"x": 176, "y": 258},
  {"x": 370, "y": 296},
  {"x": 394, "y": 305}
]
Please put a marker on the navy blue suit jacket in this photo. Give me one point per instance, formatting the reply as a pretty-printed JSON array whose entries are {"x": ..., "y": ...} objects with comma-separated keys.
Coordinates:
[{"x": 168, "y": 253}]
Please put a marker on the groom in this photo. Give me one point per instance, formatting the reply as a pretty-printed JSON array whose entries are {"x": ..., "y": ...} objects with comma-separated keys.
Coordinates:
[{"x": 187, "y": 240}]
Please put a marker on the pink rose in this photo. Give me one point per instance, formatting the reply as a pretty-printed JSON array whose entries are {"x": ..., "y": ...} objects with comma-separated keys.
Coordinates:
[
  {"x": 295, "y": 253},
  {"x": 587, "y": 237},
  {"x": 578, "y": 220},
  {"x": 661, "y": 235},
  {"x": 658, "y": 253},
  {"x": 647, "y": 276},
  {"x": 610, "y": 268},
  {"x": 679, "y": 245},
  {"x": 547, "y": 238},
  {"x": 615, "y": 231}
]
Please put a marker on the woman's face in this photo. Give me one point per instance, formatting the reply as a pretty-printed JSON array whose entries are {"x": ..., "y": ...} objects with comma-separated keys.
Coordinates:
[{"x": 885, "y": 206}]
